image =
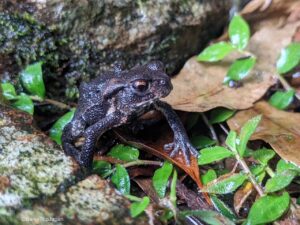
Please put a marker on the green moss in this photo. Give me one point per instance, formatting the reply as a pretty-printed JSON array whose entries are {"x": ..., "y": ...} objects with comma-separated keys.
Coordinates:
[{"x": 26, "y": 40}]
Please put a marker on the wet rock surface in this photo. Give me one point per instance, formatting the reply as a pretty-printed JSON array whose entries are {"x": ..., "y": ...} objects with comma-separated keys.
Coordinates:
[
  {"x": 79, "y": 41},
  {"x": 39, "y": 184}
]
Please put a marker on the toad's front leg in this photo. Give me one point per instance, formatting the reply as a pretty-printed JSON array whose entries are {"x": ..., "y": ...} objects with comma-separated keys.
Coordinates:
[
  {"x": 91, "y": 135},
  {"x": 181, "y": 140}
]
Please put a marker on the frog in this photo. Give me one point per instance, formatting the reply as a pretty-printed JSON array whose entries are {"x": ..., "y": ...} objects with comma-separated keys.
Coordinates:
[{"x": 119, "y": 97}]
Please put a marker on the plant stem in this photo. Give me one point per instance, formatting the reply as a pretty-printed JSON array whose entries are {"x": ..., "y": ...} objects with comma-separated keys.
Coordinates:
[
  {"x": 224, "y": 129},
  {"x": 50, "y": 101},
  {"x": 211, "y": 128},
  {"x": 134, "y": 163},
  {"x": 142, "y": 162},
  {"x": 286, "y": 85},
  {"x": 270, "y": 171},
  {"x": 249, "y": 174},
  {"x": 133, "y": 198}
]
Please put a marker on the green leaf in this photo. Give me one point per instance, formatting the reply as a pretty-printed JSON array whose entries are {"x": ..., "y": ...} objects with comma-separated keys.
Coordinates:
[
  {"x": 211, "y": 154},
  {"x": 257, "y": 169},
  {"x": 102, "y": 168},
  {"x": 282, "y": 99},
  {"x": 24, "y": 103},
  {"x": 283, "y": 165},
  {"x": 121, "y": 179},
  {"x": 167, "y": 214},
  {"x": 161, "y": 177},
  {"x": 219, "y": 115},
  {"x": 225, "y": 186},
  {"x": 231, "y": 140},
  {"x": 289, "y": 58},
  {"x": 223, "y": 208},
  {"x": 200, "y": 141},
  {"x": 240, "y": 69},
  {"x": 209, "y": 176},
  {"x": 8, "y": 91},
  {"x": 263, "y": 155},
  {"x": 215, "y": 52},
  {"x": 280, "y": 180},
  {"x": 207, "y": 216},
  {"x": 268, "y": 209},
  {"x": 32, "y": 79},
  {"x": 57, "y": 128},
  {"x": 137, "y": 208},
  {"x": 246, "y": 132},
  {"x": 239, "y": 32},
  {"x": 125, "y": 153}
]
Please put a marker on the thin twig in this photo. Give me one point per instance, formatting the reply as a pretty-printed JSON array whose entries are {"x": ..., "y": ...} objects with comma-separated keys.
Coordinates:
[
  {"x": 224, "y": 128},
  {"x": 51, "y": 101},
  {"x": 250, "y": 176},
  {"x": 211, "y": 128},
  {"x": 142, "y": 162}
]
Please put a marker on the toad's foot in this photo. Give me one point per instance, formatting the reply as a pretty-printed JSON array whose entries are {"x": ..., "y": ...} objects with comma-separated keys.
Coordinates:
[{"x": 185, "y": 146}]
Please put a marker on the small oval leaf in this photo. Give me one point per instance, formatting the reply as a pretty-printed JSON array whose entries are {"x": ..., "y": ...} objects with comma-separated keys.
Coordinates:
[
  {"x": 57, "y": 128},
  {"x": 200, "y": 141},
  {"x": 102, "y": 168},
  {"x": 247, "y": 130},
  {"x": 283, "y": 165},
  {"x": 231, "y": 140},
  {"x": 24, "y": 103},
  {"x": 215, "y": 52},
  {"x": 137, "y": 208},
  {"x": 121, "y": 179},
  {"x": 220, "y": 115},
  {"x": 268, "y": 208},
  {"x": 125, "y": 153},
  {"x": 240, "y": 69},
  {"x": 289, "y": 58},
  {"x": 263, "y": 155},
  {"x": 239, "y": 32},
  {"x": 209, "y": 176},
  {"x": 282, "y": 99},
  {"x": 225, "y": 184},
  {"x": 223, "y": 208},
  {"x": 280, "y": 180},
  {"x": 208, "y": 216},
  {"x": 161, "y": 177},
  {"x": 211, "y": 154},
  {"x": 8, "y": 91},
  {"x": 32, "y": 79}
]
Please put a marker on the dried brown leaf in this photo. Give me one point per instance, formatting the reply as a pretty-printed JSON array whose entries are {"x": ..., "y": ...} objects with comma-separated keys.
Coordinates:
[
  {"x": 198, "y": 86},
  {"x": 256, "y": 5},
  {"x": 241, "y": 195},
  {"x": 278, "y": 128},
  {"x": 146, "y": 185}
]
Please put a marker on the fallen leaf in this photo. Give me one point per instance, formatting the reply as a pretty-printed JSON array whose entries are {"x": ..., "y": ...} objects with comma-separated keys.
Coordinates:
[
  {"x": 156, "y": 148},
  {"x": 192, "y": 199},
  {"x": 146, "y": 185},
  {"x": 278, "y": 128},
  {"x": 198, "y": 86},
  {"x": 241, "y": 195},
  {"x": 256, "y": 5}
]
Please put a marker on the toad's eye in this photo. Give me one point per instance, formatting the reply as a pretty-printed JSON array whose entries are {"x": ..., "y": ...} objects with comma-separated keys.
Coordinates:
[{"x": 141, "y": 85}]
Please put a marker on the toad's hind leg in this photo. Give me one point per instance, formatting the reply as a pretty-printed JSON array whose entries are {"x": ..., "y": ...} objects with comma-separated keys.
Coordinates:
[
  {"x": 91, "y": 135},
  {"x": 71, "y": 132}
]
